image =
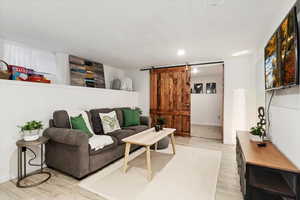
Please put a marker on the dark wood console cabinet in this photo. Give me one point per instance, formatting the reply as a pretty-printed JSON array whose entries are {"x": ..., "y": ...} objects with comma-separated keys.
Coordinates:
[{"x": 265, "y": 173}]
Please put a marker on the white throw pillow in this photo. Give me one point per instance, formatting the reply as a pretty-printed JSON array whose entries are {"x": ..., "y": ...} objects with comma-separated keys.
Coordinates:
[{"x": 110, "y": 122}]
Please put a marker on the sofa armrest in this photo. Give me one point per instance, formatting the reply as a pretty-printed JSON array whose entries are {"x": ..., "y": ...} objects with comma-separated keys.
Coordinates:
[
  {"x": 145, "y": 120},
  {"x": 67, "y": 151},
  {"x": 67, "y": 136}
]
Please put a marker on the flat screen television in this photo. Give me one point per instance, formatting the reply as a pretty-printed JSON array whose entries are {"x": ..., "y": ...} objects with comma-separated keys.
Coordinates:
[{"x": 281, "y": 55}]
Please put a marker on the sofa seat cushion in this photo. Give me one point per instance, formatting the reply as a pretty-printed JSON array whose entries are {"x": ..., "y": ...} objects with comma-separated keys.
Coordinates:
[
  {"x": 113, "y": 145},
  {"x": 121, "y": 134},
  {"x": 137, "y": 129}
]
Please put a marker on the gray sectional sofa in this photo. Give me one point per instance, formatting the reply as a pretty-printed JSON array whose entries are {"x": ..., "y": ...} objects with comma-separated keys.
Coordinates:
[{"x": 68, "y": 150}]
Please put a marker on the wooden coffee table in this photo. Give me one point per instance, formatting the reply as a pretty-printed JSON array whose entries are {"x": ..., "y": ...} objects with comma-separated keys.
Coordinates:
[{"x": 147, "y": 138}]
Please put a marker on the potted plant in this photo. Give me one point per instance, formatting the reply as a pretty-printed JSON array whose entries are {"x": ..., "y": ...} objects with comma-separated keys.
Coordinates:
[
  {"x": 256, "y": 133},
  {"x": 161, "y": 122},
  {"x": 139, "y": 110},
  {"x": 31, "y": 130}
]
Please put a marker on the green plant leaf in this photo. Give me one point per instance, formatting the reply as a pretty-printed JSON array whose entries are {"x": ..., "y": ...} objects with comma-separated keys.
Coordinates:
[{"x": 31, "y": 125}]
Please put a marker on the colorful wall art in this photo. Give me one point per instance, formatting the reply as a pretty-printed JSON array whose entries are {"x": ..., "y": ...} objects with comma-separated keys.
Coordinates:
[{"x": 86, "y": 73}]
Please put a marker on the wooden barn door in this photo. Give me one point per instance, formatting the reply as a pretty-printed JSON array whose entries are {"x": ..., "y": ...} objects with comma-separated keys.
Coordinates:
[{"x": 170, "y": 98}]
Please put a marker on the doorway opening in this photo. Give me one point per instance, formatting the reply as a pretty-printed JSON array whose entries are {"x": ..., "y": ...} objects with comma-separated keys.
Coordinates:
[{"x": 207, "y": 101}]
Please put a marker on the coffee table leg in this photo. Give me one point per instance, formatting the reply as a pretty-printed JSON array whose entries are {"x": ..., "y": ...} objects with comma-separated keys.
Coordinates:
[
  {"x": 127, "y": 150},
  {"x": 149, "y": 163},
  {"x": 156, "y": 146},
  {"x": 173, "y": 143}
]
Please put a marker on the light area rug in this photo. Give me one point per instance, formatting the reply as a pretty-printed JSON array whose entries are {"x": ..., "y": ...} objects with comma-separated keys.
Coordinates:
[{"x": 190, "y": 174}]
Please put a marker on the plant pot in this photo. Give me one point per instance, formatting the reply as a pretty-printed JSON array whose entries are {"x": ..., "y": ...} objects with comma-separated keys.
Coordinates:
[
  {"x": 255, "y": 138},
  {"x": 161, "y": 127},
  {"x": 157, "y": 128},
  {"x": 31, "y": 135}
]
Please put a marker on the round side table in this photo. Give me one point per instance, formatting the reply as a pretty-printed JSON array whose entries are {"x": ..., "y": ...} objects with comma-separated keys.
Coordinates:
[{"x": 23, "y": 146}]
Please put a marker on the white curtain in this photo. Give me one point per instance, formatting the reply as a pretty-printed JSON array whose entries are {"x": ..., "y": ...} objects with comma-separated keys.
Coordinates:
[{"x": 20, "y": 55}]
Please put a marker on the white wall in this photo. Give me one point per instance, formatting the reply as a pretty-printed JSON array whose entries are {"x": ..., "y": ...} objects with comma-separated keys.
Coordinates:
[
  {"x": 1, "y": 48},
  {"x": 20, "y": 54},
  {"x": 111, "y": 73},
  {"x": 285, "y": 107},
  {"x": 206, "y": 109},
  {"x": 62, "y": 68},
  {"x": 284, "y": 119},
  {"x": 21, "y": 102},
  {"x": 260, "y": 79},
  {"x": 141, "y": 84},
  {"x": 239, "y": 90}
]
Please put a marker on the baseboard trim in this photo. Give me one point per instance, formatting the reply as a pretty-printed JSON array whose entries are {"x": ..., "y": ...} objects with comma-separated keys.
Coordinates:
[
  {"x": 206, "y": 124},
  {"x": 182, "y": 135},
  {"x": 4, "y": 179}
]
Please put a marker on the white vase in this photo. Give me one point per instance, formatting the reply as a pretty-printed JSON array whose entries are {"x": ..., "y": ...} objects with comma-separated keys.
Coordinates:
[
  {"x": 255, "y": 138},
  {"x": 31, "y": 135}
]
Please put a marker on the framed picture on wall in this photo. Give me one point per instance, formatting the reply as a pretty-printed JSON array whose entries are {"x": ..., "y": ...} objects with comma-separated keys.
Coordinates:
[
  {"x": 211, "y": 88},
  {"x": 198, "y": 87}
]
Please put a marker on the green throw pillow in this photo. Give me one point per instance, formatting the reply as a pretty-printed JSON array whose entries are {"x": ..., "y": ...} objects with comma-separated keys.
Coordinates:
[
  {"x": 78, "y": 123},
  {"x": 131, "y": 117}
]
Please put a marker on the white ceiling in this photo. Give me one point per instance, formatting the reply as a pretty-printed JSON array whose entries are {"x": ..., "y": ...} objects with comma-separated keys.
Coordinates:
[{"x": 138, "y": 33}]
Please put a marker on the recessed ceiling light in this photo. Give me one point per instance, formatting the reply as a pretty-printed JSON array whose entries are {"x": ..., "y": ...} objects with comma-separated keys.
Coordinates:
[
  {"x": 180, "y": 52},
  {"x": 195, "y": 70},
  {"x": 240, "y": 53}
]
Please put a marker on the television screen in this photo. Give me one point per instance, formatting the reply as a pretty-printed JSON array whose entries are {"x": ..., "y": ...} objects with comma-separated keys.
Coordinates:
[
  {"x": 287, "y": 39},
  {"x": 281, "y": 55},
  {"x": 272, "y": 70}
]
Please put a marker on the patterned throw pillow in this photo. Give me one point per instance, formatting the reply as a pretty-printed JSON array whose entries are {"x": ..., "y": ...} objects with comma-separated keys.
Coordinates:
[{"x": 110, "y": 122}]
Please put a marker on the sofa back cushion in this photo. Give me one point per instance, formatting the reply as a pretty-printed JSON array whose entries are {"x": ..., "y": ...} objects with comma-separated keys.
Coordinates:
[
  {"x": 120, "y": 115},
  {"x": 61, "y": 119},
  {"x": 96, "y": 120}
]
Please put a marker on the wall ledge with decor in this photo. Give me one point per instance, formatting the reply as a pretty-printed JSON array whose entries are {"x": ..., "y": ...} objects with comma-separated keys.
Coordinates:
[
  {"x": 42, "y": 85},
  {"x": 23, "y": 62}
]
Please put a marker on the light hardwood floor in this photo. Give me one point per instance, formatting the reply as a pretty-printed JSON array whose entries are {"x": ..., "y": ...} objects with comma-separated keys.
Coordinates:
[
  {"x": 62, "y": 187},
  {"x": 208, "y": 132}
]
